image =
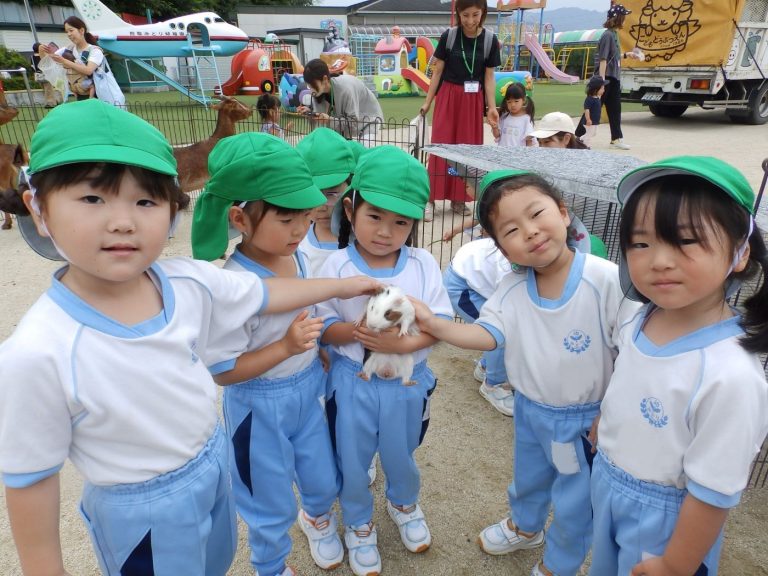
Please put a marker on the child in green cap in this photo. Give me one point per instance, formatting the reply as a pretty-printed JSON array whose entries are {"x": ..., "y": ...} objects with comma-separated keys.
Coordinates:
[
  {"x": 275, "y": 394},
  {"x": 385, "y": 200},
  {"x": 685, "y": 413},
  {"x": 557, "y": 316},
  {"x": 331, "y": 163},
  {"x": 110, "y": 367}
]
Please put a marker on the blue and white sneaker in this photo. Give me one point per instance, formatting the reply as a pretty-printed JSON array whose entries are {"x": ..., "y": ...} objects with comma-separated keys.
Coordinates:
[
  {"x": 364, "y": 556},
  {"x": 499, "y": 539},
  {"x": 412, "y": 525},
  {"x": 324, "y": 542}
]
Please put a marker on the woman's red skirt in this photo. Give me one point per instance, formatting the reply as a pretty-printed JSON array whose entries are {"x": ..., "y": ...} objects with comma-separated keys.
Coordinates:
[{"x": 457, "y": 119}]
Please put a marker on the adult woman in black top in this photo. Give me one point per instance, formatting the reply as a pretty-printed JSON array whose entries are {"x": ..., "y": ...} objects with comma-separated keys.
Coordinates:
[
  {"x": 608, "y": 67},
  {"x": 463, "y": 86}
]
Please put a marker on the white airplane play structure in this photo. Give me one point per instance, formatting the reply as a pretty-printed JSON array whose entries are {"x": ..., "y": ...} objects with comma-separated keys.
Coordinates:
[{"x": 200, "y": 37}]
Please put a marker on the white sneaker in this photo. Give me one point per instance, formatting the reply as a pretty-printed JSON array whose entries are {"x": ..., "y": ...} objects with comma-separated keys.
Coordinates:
[
  {"x": 501, "y": 397},
  {"x": 324, "y": 542},
  {"x": 537, "y": 570},
  {"x": 413, "y": 528},
  {"x": 479, "y": 372},
  {"x": 288, "y": 571},
  {"x": 364, "y": 556},
  {"x": 620, "y": 145},
  {"x": 501, "y": 539},
  {"x": 372, "y": 471}
]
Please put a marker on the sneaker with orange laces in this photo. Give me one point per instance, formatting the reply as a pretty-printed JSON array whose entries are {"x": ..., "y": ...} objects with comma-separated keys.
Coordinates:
[
  {"x": 324, "y": 542},
  {"x": 364, "y": 558},
  {"x": 412, "y": 525}
]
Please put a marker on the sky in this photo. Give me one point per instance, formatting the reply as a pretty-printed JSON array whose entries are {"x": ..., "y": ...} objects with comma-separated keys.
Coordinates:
[{"x": 551, "y": 4}]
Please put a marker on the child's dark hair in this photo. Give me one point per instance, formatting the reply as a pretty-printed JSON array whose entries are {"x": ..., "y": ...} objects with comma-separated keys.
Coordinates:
[
  {"x": 462, "y": 5},
  {"x": 698, "y": 203},
  {"x": 516, "y": 91},
  {"x": 315, "y": 70},
  {"x": 489, "y": 201},
  {"x": 265, "y": 103},
  {"x": 345, "y": 226},
  {"x": 107, "y": 176},
  {"x": 257, "y": 209}
]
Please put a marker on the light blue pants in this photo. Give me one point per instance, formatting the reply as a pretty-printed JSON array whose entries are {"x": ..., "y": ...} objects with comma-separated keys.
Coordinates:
[
  {"x": 467, "y": 304},
  {"x": 378, "y": 415},
  {"x": 634, "y": 520},
  {"x": 552, "y": 466},
  {"x": 279, "y": 434},
  {"x": 182, "y": 522}
]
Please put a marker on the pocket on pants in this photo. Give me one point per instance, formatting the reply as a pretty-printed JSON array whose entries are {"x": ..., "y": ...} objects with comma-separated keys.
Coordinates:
[{"x": 565, "y": 458}]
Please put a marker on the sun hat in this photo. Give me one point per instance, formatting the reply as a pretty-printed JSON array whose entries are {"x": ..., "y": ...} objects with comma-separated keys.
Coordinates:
[
  {"x": 552, "y": 123},
  {"x": 90, "y": 131},
  {"x": 578, "y": 235},
  {"x": 618, "y": 10},
  {"x": 94, "y": 131},
  {"x": 718, "y": 173},
  {"x": 247, "y": 167},
  {"x": 357, "y": 150},
  {"x": 391, "y": 179},
  {"x": 328, "y": 157}
]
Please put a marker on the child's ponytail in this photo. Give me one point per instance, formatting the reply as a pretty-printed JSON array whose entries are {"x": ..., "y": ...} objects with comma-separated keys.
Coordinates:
[
  {"x": 530, "y": 109},
  {"x": 755, "y": 317}
]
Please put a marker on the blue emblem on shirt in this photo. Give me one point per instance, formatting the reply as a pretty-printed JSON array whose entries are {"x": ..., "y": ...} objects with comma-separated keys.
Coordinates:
[
  {"x": 193, "y": 350},
  {"x": 653, "y": 411},
  {"x": 577, "y": 341}
]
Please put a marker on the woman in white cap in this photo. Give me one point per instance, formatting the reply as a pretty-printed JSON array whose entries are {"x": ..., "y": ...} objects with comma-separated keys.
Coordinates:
[{"x": 556, "y": 130}]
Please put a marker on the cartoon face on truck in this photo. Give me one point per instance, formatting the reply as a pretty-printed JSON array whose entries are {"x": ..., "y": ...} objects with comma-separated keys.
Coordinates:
[{"x": 664, "y": 28}]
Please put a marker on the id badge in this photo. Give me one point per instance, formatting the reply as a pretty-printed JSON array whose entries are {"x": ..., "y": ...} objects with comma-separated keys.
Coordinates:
[{"x": 471, "y": 87}]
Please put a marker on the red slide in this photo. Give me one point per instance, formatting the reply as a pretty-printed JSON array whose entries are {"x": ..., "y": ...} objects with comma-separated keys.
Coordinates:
[
  {"x": 416, "y": 76},
  {"x": 233, "y": 85}
]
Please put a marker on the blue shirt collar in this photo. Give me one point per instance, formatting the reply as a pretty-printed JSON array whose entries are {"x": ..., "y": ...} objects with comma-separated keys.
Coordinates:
[{"x": 362, "y": 265}]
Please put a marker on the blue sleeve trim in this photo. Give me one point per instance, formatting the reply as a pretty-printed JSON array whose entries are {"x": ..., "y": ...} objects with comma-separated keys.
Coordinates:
[
  {"x": 265, "y": 299},
  {"x": 713, "y": 498},
  {"x": 446, "y": 316},
  {"x": 224, "y": 366},
  {"x": 493, "y": 331},
  {"x": 28, "y": 479}
]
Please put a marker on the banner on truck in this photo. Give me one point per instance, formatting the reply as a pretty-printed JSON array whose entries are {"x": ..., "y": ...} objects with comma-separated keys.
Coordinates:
[{"x": 679, "y": 32}]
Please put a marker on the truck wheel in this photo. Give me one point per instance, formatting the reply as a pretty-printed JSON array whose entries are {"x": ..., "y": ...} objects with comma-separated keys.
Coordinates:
[
  {"x": 758, "y": 105},
  {"x": 668, "y": 110}
]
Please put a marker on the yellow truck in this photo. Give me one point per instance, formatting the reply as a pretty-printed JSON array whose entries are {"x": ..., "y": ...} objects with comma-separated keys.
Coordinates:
[{"x": 708, "y": 53}]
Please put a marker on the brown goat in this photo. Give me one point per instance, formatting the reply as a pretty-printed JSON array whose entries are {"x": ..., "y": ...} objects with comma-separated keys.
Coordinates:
[
  {"x": 12, "y": 157},
  {"x": 192, "y": 160}
]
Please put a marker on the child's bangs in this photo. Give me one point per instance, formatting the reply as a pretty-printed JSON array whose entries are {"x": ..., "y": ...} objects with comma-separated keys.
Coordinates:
[{"x": 684, "y": 207}]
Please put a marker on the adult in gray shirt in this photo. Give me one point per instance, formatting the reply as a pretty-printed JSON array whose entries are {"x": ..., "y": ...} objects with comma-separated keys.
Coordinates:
[
  {"x": 343, "y": 102},
  {"x": 608, "y": 66}
]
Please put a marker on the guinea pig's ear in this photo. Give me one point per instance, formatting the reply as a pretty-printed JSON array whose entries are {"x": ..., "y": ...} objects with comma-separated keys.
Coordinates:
[
  {"x": 382, "y": 290},
  {"x": 393, "y": 315}
]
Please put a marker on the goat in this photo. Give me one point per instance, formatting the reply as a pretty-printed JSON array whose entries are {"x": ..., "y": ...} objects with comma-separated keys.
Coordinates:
[
  {"x": 192, "y": 160},
  {"x": 12, "y": 157}
]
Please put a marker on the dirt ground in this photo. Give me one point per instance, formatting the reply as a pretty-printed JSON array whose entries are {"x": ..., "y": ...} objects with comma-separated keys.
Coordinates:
[{"x": 466, "y": 457}]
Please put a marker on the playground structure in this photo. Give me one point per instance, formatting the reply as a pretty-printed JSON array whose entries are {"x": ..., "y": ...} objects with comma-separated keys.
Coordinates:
[
  {"x": 519, "y": 39},
  {"x": 259, "y": 68}
]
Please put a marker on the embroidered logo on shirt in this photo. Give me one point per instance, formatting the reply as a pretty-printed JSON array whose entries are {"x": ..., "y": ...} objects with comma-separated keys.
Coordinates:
[
  {"x": 653, "y": 411},
  {"x": 193, "y": 350},
  {"x": 577, "y": 341}
]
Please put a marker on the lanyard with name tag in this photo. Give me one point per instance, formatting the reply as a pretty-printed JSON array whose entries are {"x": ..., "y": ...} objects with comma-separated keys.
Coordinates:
[{"x": 470, "y": 86}]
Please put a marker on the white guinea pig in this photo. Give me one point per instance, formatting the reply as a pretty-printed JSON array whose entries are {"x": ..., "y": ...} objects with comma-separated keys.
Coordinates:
[{"x": 389, "y": 308}]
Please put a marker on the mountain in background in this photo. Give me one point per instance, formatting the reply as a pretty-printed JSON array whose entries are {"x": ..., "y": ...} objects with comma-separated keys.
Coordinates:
[{"x": 565, "y": 19}]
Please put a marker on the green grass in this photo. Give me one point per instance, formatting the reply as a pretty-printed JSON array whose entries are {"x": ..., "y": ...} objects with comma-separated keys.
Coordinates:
[{"x": 183, "y": 122}]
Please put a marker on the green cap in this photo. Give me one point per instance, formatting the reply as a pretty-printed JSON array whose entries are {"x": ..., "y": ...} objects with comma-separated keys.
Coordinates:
[
  {"x": 489, "y": 179},
  {"x": 392, "y": 179},
  {"x": 94, "y": 131},
  {"x": 719, "y": 173},
  {"x": 247, "y": 167},
  {"x": 357, "y": 150},
  {"x": 328, "y": 157}
]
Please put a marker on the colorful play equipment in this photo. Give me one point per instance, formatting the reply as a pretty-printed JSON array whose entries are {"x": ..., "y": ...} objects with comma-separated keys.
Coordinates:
[
  {"x": 523, "y": 45},
  {"x": 259, "y": 68}
]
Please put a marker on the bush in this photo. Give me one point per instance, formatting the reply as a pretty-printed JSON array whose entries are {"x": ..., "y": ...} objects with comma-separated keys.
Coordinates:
[{"x": 12, "y": 60}]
